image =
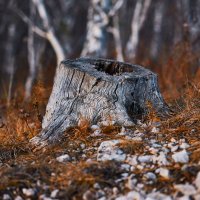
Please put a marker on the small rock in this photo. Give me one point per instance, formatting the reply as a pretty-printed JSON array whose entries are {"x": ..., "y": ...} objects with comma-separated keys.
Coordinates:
[
  {"x": 63, "y": 158},
  {"x": 89, "y": 195},
  {"x": 181, "y": 157},
  {"x": 132, "y": 160},
  {"x": 108, "y": 150},
  {"x": 115, "y": 191},
  {"x": 132, "y": 181},
  {"x": 96, "y": 133},
  {"x": 18, "y": 198},
  {"x": 6, "y": 197},
  {"x": 164, "y": 172},
  {"x": 155, "y": 130},
  {"x": 145, "y": 159},
  {"x": 184, "y": 145},
  {"x": 29, "y": 192},
  {"x": 125, "y": 167},
  {"x": 96, "y": 186},
  {"x": 157, "y": 196},
  {"x": 82, "y": 146},
  {"x": 95, "y": 127},
  {"x": 161, "y": 159},
  {"x": 150, "y": 176},
  {"x": 174, "y": 148},
  {"x": 184, "y": 198},
  {"x": 133, "y": 195},
  {"x": 54, "y": 193},
  {"x": 197, "y": 181},
  {"x": 186, "y": 189}
]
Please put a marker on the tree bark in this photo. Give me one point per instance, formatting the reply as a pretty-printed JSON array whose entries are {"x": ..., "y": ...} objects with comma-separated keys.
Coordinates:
[{"x": 98, "y": 90}]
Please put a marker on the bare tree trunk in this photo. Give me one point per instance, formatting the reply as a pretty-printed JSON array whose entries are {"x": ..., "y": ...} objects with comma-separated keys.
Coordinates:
[
  {"x": 98, "y": 90},
  {"x": 49, "y": 34},
  {"x": 157, "y": 27},
  {"x": 96, "y": 29},
  {"x": 31, "y": 55},
  {"x": 9, "y": 59},
  {"x": 139, "y": 16}
]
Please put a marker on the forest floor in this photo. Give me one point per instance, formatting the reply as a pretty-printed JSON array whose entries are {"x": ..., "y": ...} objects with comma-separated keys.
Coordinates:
[{"x": 155, "y": 159}]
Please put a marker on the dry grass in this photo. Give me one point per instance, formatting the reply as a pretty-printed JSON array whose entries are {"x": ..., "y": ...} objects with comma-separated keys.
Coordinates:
[{"x": 21, "y": 121}]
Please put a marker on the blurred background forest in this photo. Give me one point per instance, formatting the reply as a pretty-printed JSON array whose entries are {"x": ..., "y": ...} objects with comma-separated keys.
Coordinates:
[{"x": 35, "y": 35}]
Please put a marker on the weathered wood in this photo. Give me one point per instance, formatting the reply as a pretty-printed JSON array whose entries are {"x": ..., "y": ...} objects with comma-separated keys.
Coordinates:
[{"x": 98, "y": 90}]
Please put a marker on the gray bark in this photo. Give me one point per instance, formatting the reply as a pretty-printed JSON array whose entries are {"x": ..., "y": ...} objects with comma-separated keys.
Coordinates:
[{"x": 98, "y": 90}]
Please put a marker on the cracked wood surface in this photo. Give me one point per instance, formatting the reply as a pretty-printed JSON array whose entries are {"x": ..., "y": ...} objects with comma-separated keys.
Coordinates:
[{"x": 98, "y": 90}]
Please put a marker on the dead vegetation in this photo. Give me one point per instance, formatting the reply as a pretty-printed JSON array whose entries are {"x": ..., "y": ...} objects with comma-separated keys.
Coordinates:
[{"x": 21, "y": 167}]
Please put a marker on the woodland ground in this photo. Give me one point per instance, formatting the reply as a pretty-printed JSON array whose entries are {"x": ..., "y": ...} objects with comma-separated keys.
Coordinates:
[{"x": 22, "y": 167}]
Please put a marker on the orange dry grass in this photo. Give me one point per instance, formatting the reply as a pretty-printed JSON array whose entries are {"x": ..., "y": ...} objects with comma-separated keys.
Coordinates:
[{"x": 181, "y": 67}]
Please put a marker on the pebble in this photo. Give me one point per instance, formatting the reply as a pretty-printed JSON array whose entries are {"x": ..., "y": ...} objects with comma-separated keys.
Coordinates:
[
  {"x": 157, "y": 196},
  {"x": 197, "y": 181},
  {"x": 155, "y": 130},
  {"x": 125, "y": 167},
  {"x": 63, "y": 158},
  {"x": 164, "y": 172},
  {"x": 108, "y": 150},
  {"x": 96, "y": 133},
  {"x": 18, "y": 198},
  {"x": 145, "y": 159},
  {"x": 150, "y": 176},
  {"x": 184, "y": 145},
  {"x": 132, "y": 181},
  {"x": 133, "y": 195},
  {"x": 132, "y": 160},
  {"x": 181, "y": 157},
  {"x": 54, "y": 193},
  {"x": 6, "y": 197},
  {"x": 186, "y": 189},
  {"x": 95, "y": 127},
  {"x": 96, "y": 186},
  {"x": 161, "y": 159},
  {"x": 29, "y": 192},
  {"x": 89, "y": 195}
]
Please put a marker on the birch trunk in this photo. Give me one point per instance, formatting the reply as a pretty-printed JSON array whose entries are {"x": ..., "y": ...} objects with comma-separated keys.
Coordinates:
[{"x": 139, "y": 16}]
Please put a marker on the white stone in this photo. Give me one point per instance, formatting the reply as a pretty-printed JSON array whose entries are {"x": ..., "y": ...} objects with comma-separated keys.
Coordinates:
[
  {"x": 157, "y": 196},
  {"x": 108, "y": 150},
  {"x": 54, "y": 193},
  {"x": 184, "y": 145},
  {"x": 160, "y": 159},
  {"x": 145, "y": 159},
  {"x": 82, "y": 146},
  {"x": 125, "y": 167},
  {"x": 96, "y": 133},
  {"x": 6, "y": 197},
  {"x": 132, "y": 181},
  {"x": 28, "y": 192},
  {"x": 196, "y": 197},
  {"x": 132, "y": 160},
  {"x": 153, "y": 150},
  {"x": 95, "y": 127},
  {"x": 133, "y": 195},
  {"x": 197, "y": 181},
  {"x": 186, "y": 189},
  {"x": 63, "y": 158},
  {"x": 184, "y": 198},
  {"x": 181, "y": 157},
  {"x": 150, "y": 176},
  {"x": 18, "y": 198},
  {"x": 155, "y": 130},
  {"x": 174, "y": 148},
  {"x": 164, "y": 172}
]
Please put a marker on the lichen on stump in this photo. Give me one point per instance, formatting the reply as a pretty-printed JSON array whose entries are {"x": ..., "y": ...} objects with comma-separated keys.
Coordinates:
[{"x": 98, "y": 90}]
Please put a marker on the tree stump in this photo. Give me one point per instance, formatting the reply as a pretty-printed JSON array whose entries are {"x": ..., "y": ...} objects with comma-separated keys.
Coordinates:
[{"x": 98, "y": 90}]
